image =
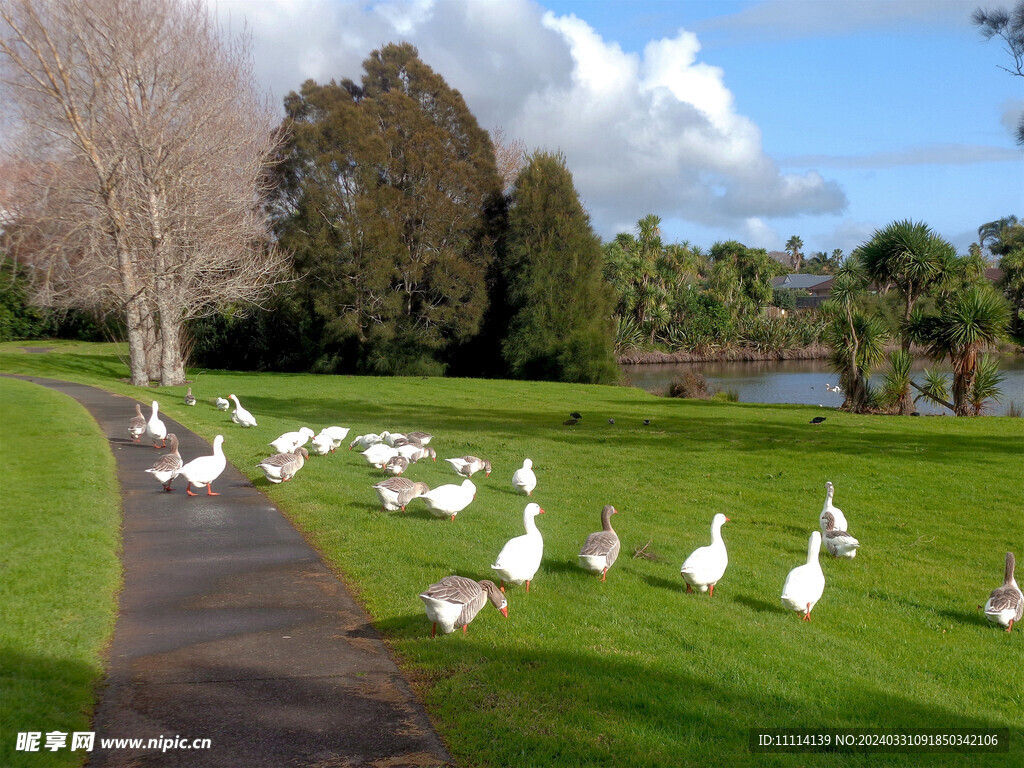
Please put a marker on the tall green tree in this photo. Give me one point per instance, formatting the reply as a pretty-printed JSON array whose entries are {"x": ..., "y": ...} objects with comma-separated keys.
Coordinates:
[
  {"x": 793, "y": 248},
  {"x": 561, "y": 326},
  {"x": 386, "y": 194},
  {"x": 741, "y": 277},
  {"x": 966, "y": 323}
]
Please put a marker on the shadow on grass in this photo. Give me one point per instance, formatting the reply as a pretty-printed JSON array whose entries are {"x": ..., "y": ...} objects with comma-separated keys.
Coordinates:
[
  {"x": 761, "y": 606},
  {"x": 662, "y": 583}
]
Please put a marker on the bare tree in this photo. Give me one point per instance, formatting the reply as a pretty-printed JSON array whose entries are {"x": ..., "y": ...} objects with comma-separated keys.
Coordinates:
[
  {"x": 509, "y": 155},
  {"x": 155, "y": 143}
]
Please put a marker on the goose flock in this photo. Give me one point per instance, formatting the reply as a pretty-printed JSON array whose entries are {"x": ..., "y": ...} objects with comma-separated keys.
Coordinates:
[{"x": 455, "y": 601}]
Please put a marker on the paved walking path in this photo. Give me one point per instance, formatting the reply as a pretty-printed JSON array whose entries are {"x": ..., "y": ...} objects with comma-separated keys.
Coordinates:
[{"x": 232, "y": 629}]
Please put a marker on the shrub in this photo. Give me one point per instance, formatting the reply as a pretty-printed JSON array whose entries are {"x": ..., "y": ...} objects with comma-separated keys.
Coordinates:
[{"x": 691, "y": 385}]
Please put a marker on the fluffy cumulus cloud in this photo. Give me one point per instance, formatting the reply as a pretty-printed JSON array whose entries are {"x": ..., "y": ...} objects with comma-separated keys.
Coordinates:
[{"x": 656, "y": 131}]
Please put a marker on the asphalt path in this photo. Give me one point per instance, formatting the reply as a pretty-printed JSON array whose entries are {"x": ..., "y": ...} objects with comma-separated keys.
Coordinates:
[{"x": 231, "y": 628}]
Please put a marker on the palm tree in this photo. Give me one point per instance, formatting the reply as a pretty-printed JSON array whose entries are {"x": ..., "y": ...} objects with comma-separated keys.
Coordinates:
[
  {"x": 857, "y": 341},
  {"x": 793, "y": 246},
  {"x": 967, "y": 323}
]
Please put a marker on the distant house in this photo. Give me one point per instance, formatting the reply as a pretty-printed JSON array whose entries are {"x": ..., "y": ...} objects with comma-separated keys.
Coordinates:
[{"x": 818, "y": 286}]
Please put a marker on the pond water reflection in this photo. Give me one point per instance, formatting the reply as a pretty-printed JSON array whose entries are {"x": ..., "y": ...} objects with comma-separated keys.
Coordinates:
[{"x": 801, "y": 381}]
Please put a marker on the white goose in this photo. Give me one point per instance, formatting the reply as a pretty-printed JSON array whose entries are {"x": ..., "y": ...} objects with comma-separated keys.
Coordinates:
[
  {"x": 396, "y": 492},
  {"x": 322, "y": 444},
  {"x": 838, "y": 543},
  {"x": 222, "y": 404},
  {"x": 519, "y": 560},
  {"x": 524, "y": 480},
  {"x": 190, "y": 399},
  {"x": 468, "y": 465},
  {"x": 379, "y": 454},
  {"x": 167, "y": 466},
  {"x": 805, "y": 583},
  {"x": 281, "y": 467},
  {"x": 838, "y": 518},
  {"x": 1006, "y": 604},
  {"x": 706, "y": 565},
  {"x": 137, "y": 424},
  {"x": 205, "y": 469},
  {"x": 337, "y": 435},
  {"x": 601, "y": 549},
  {"x": 289, "y": 441},
  {"x": 455, "y": 601},
  {"x": 240, "y": 415},
  {"x": 364, "y": 441},
  {"x": 156, "y": 430},
  {"x": 449, "y": 500}
]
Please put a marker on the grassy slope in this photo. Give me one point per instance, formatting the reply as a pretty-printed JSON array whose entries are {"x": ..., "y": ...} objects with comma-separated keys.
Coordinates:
[
  {"x": 59, "y": 574},
  {"x": 633, "y": 671}
]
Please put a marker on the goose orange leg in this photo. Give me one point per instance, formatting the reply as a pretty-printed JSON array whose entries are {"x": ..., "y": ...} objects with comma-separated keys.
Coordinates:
[
  {"x": 433, "y": 631},
  {"x": 209, "y": 490},
  {"x": 1009, "y": 626},
  {"x": 188, "y": 490},
  {"x": 711, "y": 590},
  {"x": 807, "y": 616},
  {"x": 604, "y": 573},
  {"x": 527, "y": 585}
]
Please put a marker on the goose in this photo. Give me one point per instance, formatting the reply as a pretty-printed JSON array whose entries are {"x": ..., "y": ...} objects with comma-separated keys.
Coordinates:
[
  {"x": 205, "y": 469},
  {"x": 391, "y": 437},
  {"x": 396, "y": 465},
  {"x": 468, "y": 465},
  {"x": 364, "y": 441},
  {"x": 1006, "y": 604},
  {"x": 838, "y": 543},
  {"x": 411, "y": 451},
  {"x": 378, "y": 455},
  {"x": 289, "y": 441},
  {"x": 839, "y": 519},
  {"x": 805, "y": 583},
  {"x": 189, "y": 397},
  {"x": 524, "y": 480},
  {"x": 423, "y": 438},
  {"x": 167, "y": 466},
  {"x": 706, "y": 565},
  {"x": 137, "y": 424},
  {"x": 322, "y": 444},
  {"x": 520, "y": 558},
  {"x": 455, "y": 601},
  {"x": 240, "y": 415},
  {"x": 281, "y": 467},
  {"x": 396, "y": 492},
  {"x": 424, "y": 452},
  {"x": 601, "y": 548},
  {"x": 448, "y": 500},
  {"x": 155, "y": 428},
  {"x": 337, "y": 435},
  {"x": 398, "y": 442},
  {"x": 222, "y": 404}
]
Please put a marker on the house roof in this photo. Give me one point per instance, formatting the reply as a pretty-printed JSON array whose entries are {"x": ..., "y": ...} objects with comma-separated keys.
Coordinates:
[{"x": 799, "y": 282}]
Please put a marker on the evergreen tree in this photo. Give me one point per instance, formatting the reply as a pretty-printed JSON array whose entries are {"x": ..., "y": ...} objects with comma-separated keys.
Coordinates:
[
  {"x": 386, "y": 189},
  {"x": 561, "y": 306}
]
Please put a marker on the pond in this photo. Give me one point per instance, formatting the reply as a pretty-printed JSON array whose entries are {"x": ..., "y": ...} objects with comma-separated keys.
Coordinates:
[{"x": 801, "y": 381}]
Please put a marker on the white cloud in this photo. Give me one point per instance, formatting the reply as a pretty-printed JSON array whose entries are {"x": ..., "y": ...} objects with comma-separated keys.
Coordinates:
[
  {"x": 652, "y": 132},
  {"x": 937, "y": 154}
]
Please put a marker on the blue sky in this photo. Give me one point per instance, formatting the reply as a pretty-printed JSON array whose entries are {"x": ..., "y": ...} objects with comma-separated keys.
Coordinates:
[{"x": 731, "y": 120}]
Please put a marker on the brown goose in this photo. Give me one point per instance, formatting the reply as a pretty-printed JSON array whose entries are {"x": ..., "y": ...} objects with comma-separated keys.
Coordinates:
[
  {"x": 468, "y": 465},
  {"x": 167, "y": 466},
  {"x": 423, "y": 438},
  {"x": 601, "y": 548},
  {"x": 396, "y": 465},
  {"x": 396, "y": 492},
  {"x": 137, "y": 425},
  {"x": 282, "y": 467},
  {"x": 1006, "y": 604},
  {"x": 838, "y": 543},
  {"x": 455, "y": 601}
]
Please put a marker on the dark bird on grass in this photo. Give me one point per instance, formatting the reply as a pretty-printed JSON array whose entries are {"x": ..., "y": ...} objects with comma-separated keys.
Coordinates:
[
  {"x": 571, "y": 422},
  {"x": 817, "y": 420},
  {"x": 611, "y": 421},
  {"x": 647, "y": 422},
  {"x": 576, "y": 415}
]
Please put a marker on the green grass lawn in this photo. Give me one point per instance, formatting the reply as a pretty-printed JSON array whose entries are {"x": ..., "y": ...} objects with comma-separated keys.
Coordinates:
[
  {"x": 633, "y": 671},
  {"x": 59, "y": 572}
]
